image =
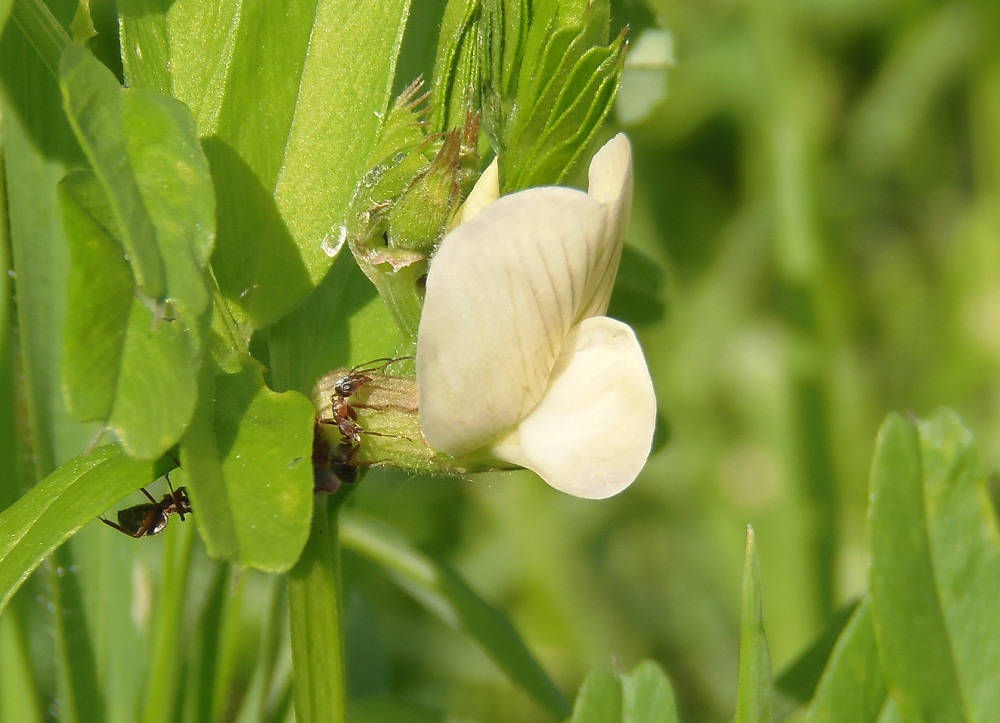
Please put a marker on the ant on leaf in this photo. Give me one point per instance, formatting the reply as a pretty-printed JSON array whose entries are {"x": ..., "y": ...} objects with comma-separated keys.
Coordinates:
[{"x": 151, "y": 517}]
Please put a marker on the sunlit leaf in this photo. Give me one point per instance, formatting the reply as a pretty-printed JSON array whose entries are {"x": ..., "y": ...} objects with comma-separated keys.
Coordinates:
[{"x": 284, "y": 178}]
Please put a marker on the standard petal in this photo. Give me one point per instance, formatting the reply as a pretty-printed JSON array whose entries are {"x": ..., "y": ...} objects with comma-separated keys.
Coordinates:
[
  {"x": 502, "y": 293},
  {"x": 610, "y": 183},
  {"x": 592, "y": 431}
]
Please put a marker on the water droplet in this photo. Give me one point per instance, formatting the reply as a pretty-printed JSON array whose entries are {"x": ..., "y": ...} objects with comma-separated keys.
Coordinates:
[{"x": 334, "y": 241}]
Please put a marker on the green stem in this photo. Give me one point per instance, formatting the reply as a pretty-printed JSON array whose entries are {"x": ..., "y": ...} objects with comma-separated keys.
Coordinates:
[
  {"x": 42, "y": 30},
  {"x": 167, "y": 648},
  {"x": 314, "y": 608}
]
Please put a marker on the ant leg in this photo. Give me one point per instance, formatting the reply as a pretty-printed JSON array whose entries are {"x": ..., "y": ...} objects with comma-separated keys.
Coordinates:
[
  {"x": 118, "y": 527},
  {"x": 149, "y": 496}
]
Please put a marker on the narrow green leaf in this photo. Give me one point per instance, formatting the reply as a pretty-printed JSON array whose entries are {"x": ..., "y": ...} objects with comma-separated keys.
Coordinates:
[
  {"x": 43, "y": 31},
  {"x": 59, "y": 505},
  {"x": 753, "y": 696},
  {"x": 248, "y": 460},
  {"x": 81, "y": 696},
  {"x": 17, "y": 687},
  {"x": 797, "y": 682},
  {"x": 442, "y": 591},
  {"x": 648, "y": 695},
  {"x": 852, "y": 687},
  {"x": 935, "y": 574},
  {"x": 599, "y": 699},
  {"x": 38, "y": 148}
]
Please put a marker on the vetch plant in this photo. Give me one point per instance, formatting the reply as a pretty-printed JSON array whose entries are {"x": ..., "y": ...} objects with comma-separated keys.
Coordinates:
[{"x": 515, "y": 359}]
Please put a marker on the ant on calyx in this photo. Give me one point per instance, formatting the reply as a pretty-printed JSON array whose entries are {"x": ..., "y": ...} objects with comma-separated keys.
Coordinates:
[
  {"x": 151, "y": 517},
  {"x": 344, "y": 415}
]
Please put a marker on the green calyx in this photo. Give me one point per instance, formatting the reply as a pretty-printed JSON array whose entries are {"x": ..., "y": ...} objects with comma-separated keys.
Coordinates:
[{"x": 377, "y": 424}]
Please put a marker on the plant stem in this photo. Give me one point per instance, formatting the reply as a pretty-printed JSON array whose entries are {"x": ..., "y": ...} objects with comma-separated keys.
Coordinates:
[{"x": 315, "y": 621}]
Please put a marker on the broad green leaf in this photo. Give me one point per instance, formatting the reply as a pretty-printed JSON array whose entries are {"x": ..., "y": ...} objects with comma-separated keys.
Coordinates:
[
  {"x": 93, "y": 102},
  {"x": 323, "y": 69},
  {"x": 599, "y": 699},
  {"x": 643, "y": 695},
  {"x": 935, "y": 573},
  {"x": 753, "y": 696},
  {"x": 852, "y": 687},
  {"x": 442, "y": 591},
  {"x": 122, "y": 363},
  {"x": 648, "y": 695},
  {"x": 61, "y": 504},
  {"x": 150, "y": 194},
  {"x": 248, "y": 457}
]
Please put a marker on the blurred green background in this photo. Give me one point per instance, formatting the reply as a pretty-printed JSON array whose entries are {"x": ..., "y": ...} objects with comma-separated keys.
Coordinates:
[{"x": 815, "y": 237}]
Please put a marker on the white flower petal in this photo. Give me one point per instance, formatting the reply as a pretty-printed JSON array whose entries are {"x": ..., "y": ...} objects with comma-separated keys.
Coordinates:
[
  {"x": 502, "y": 292},
  {"x": 610, "y": 183},
  {"x": 485, "y": 192},
  {"x": 591, "y": 433}
]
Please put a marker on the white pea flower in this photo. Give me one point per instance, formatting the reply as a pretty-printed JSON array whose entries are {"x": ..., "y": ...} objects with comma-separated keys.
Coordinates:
[{"x": 515, "y": 359}]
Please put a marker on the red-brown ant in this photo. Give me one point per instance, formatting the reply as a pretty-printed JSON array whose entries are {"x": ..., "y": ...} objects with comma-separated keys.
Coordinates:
[
  {"x": 344, "y": 415},
  {"x": 151, "y": 517}
]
